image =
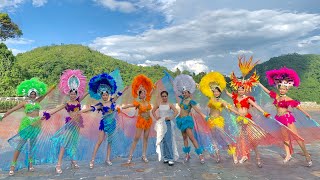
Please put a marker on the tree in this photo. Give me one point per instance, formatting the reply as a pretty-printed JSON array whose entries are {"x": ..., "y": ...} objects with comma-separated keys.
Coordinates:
[
  {"x": 7, "y": 59},
  {"x": 9, "y": 75},
  {"x": 177, "y": 72},
  {"x": 8, "y": 29}
]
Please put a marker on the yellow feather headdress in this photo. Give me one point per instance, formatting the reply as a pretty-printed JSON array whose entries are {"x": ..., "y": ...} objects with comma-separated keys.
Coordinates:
[{"x": 210, "y": 81}]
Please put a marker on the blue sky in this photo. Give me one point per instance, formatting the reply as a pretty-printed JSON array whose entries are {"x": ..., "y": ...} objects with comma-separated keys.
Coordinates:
[{"x": 195, "y": 35}]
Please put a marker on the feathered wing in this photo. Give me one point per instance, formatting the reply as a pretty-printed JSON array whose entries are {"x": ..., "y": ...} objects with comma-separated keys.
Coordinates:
[
  {"x": 126, "y": 122},
  {"x": 90, "y": 133},
  {"x": 36, "y": 137},
  {"x": 307, "y": 128},
  {"x": 201, "y": 130}
]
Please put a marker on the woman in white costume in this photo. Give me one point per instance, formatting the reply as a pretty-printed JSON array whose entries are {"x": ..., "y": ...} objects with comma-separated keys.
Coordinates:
[{"x": 165, "y": 129}]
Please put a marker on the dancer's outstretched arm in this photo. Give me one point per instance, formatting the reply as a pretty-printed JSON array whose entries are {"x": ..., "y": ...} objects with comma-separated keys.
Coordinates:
[
  {"x": 127, "y": 106},
  {"x": 91, "y": 108},
  {"x": 230, "y": 108},
  {"x": 42, "y": 97},
  {"x": 57, "y": 109},
  {"x": 259, "y": 108},
  {"x": 196, "y": 108},
  {"x": 84, "y": 96},
  {"x": 17, "y": 107},
  {"x": 119, "y": 94},
  {"x": 303, "y": 111},
  {"x": 264, "y": 88},
  {"x": 227, "y": 92}
]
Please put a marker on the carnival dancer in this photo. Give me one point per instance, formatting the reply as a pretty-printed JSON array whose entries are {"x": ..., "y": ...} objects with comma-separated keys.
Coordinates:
[
  {"x": 66, "y": 139},
  {"x": 250, "y": 134},
  {"x": 212, "y": 85},
  {"x": 184, "y": 86},
  {"x": 30, "y": 125},
  {"x": 142, "y": 88},
  {"x": 165, "y": 129},
  {"x": 104, "y": 86},
  {"x": 283, "y": 79}
]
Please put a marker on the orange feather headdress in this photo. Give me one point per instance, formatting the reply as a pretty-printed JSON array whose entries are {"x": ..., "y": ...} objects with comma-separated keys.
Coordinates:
[
  {"x": 142, "y": 83},
  {"x": 245, "y": 67}
]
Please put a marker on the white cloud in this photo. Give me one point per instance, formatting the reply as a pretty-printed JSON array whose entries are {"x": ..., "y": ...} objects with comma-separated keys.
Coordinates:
[
  {"x": 193, "y": 65},
  {"x": 163, "y": 7},
  {"x": 10, "y": 4},
  {"x": 217, "y": 36},
  {"x": 13, "y": 4},
  {"x": 16, "y": 51},
  {"x": 241, "y": 52},
  {"x": 166, "y": 63},
  {"x": 309, "y": 41},
  {"x": 39, "y": 3},
  {"x": 19, "y": 41},
  {"x": 115, "y": 5}
]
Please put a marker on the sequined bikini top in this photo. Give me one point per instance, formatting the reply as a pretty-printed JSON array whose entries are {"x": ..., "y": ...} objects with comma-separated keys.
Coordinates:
[
  {"x": 72, "y": 107},
  {"x": 106, "y": 109},
  {"x": 188, "y": 106},
  {"x": 283, "y": 103},
  {"x": 31, "y": 106},
  {"x": 244, "y": 103},
  {"x": 141, "y": 107},
  {"x": 215, "y": 105}
]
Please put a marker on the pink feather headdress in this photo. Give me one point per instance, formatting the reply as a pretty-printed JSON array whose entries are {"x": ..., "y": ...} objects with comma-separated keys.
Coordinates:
[
  {"x": 283, "y": 77},
  {"x": 72, "y": 80}
]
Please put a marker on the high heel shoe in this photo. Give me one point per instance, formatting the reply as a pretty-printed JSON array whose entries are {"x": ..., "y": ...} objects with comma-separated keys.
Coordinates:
[
  {"x": 243, "y": 159},
  {"x": 129, "y": 159},
  {"x": 91, "y": 165},
  {"x": 31, "y": 168},
  {"x": 144, "y": 158},
  {"x": 11, "y": 172},
  {"x": 58, "y": 169},
  {"x": 218, "y": 157},
  {"x": 201, "y": 159},
  {"x": 109, "y": 163},
  {"x": 309, "y": 162},
  {"x": 287, "y": 159},
  {"x": 74, "y": 165},
  {"x": 187, "y": 158},
  {"x": 259, "y": 164},
  {"x": 235, "y": 159}
]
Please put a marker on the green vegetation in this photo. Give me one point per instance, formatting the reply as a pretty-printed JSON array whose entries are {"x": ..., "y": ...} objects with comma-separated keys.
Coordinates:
[
  {"x": 5, "y": 105},
  {"x": 8, "y": 29},
  {"x": 308, "y": 68},
  {"x": 48, "y": 63},
  {"x": 10, "y": 75}
]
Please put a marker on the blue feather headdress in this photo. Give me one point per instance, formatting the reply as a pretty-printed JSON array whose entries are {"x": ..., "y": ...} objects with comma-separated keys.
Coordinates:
[{"x": 100, "y": 84}]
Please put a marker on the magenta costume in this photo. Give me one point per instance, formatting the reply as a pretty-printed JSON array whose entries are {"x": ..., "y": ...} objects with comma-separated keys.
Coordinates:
[{"x": 287, "y": 118}]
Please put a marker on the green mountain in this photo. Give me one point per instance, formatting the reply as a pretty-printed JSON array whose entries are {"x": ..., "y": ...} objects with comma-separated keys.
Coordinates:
[
  {"x": 48, "y": 63},
  {"x": 308, "y": 68}
]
